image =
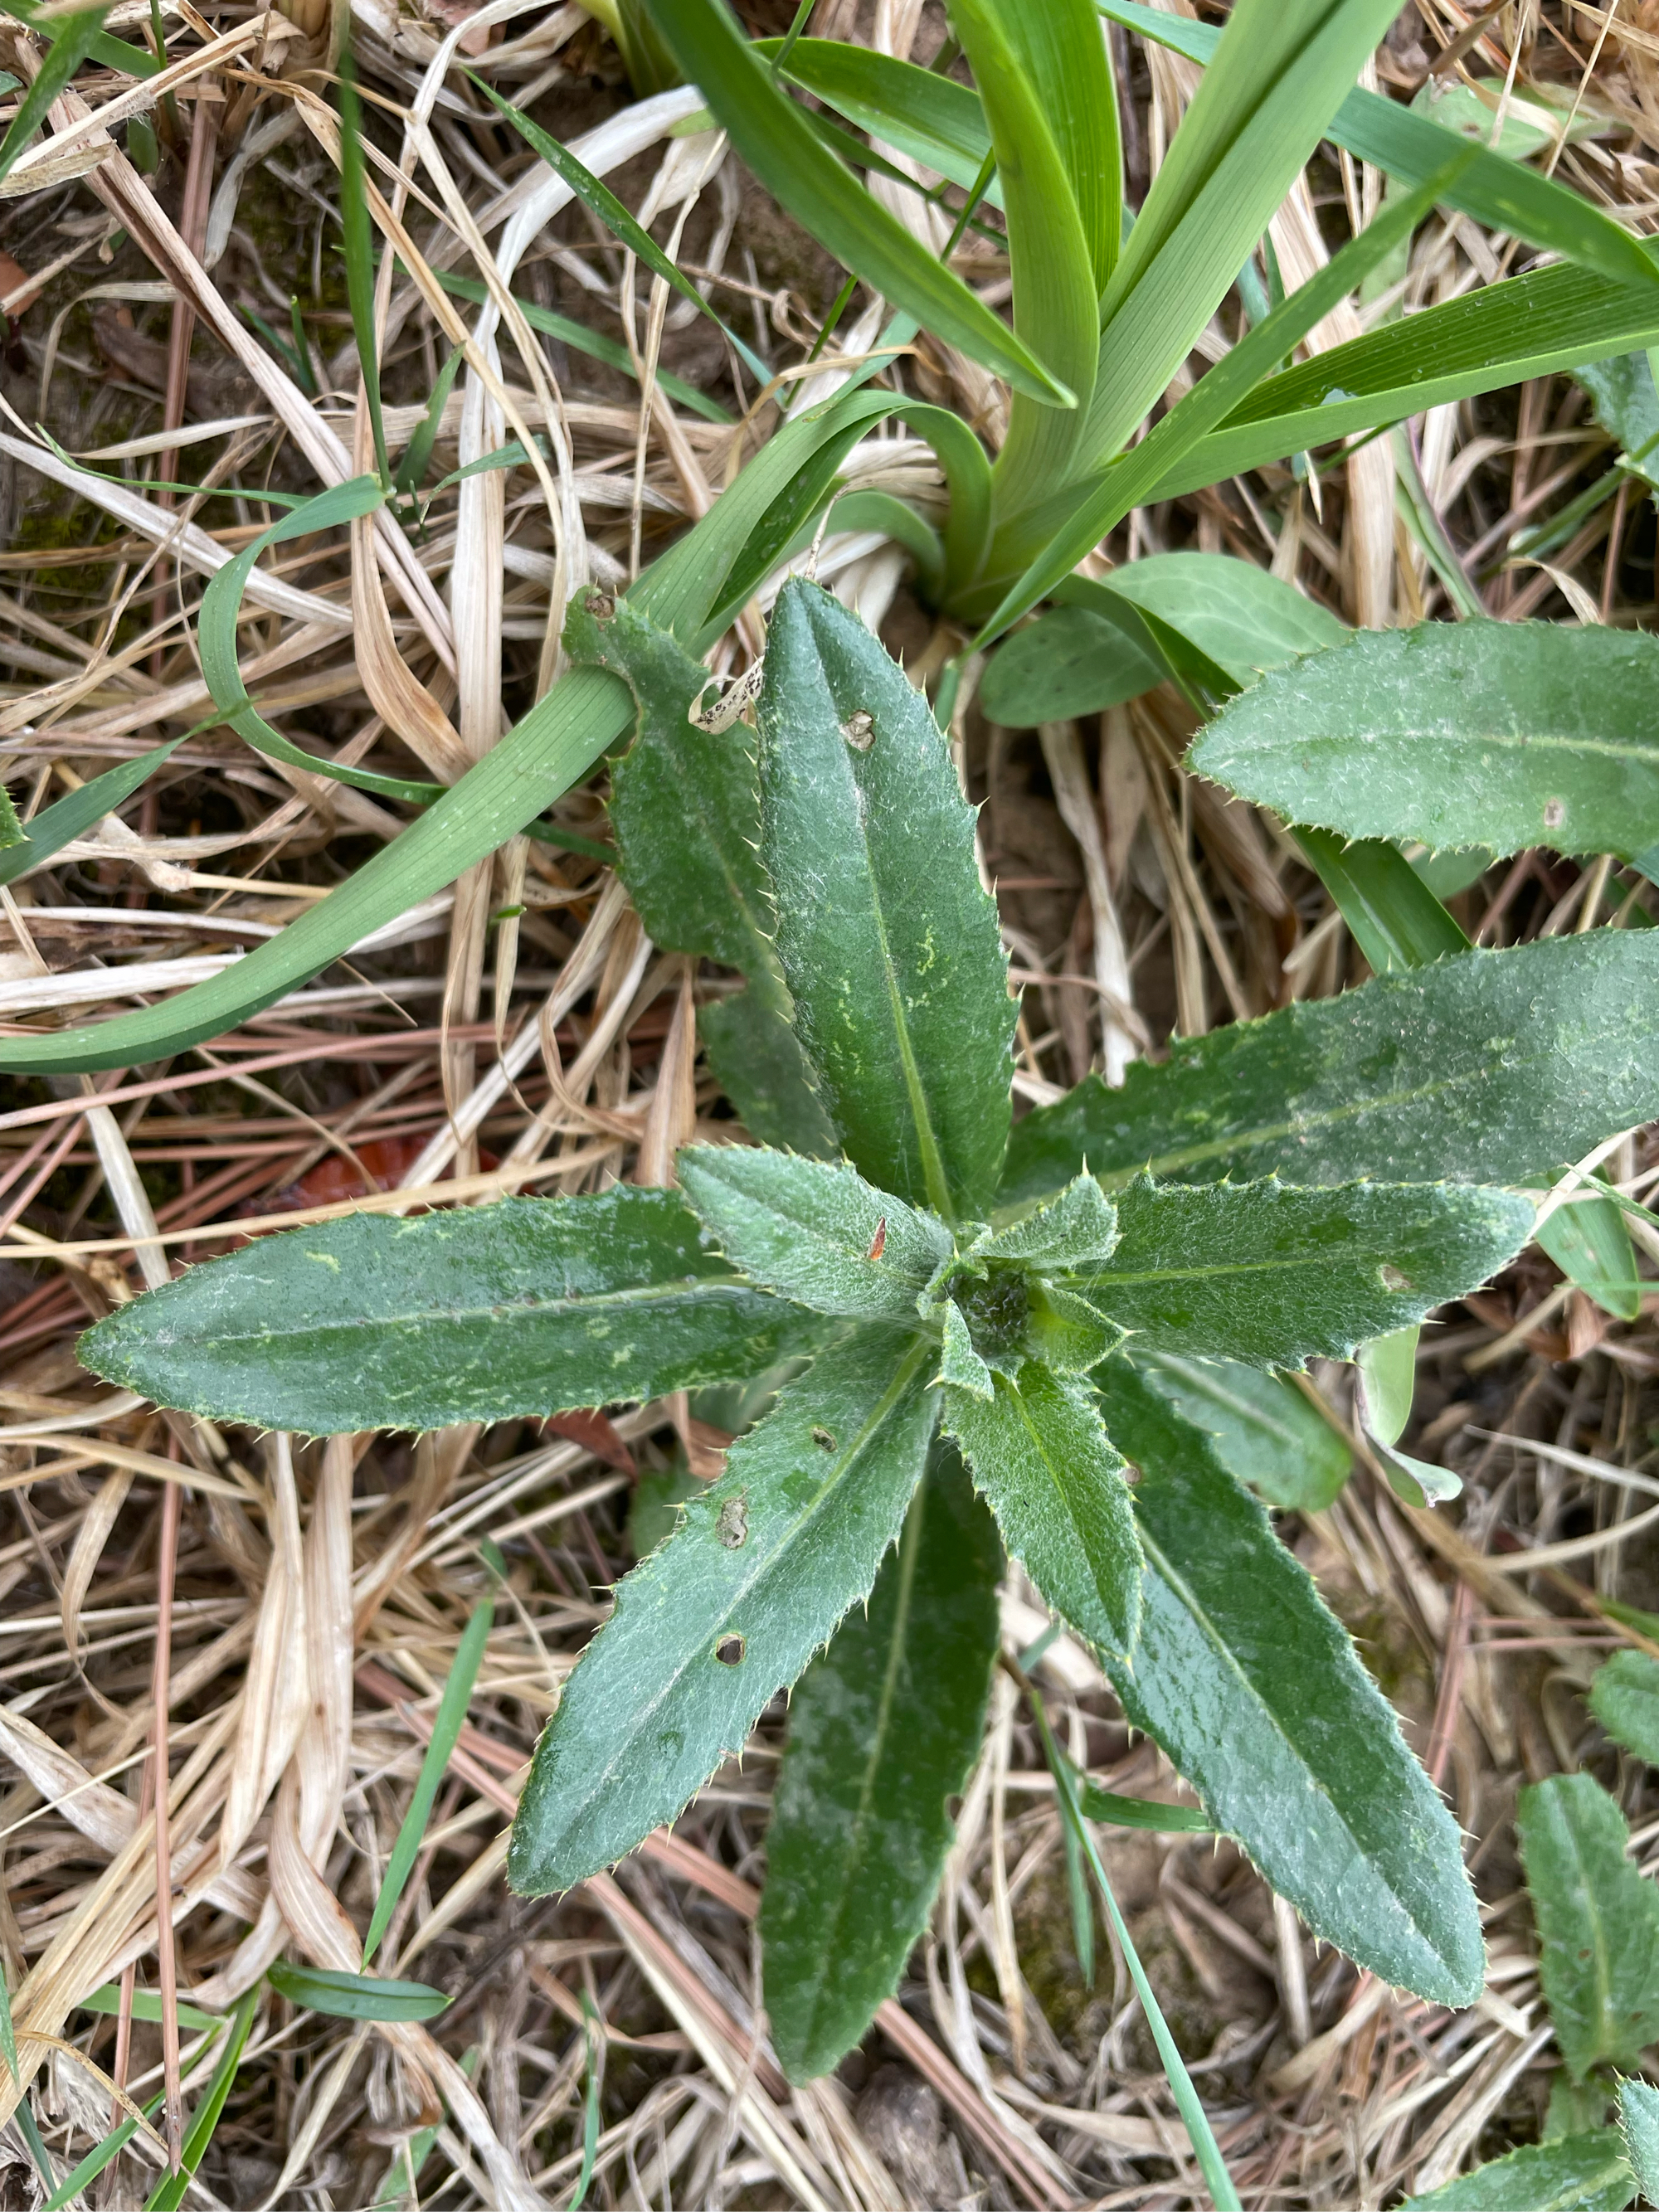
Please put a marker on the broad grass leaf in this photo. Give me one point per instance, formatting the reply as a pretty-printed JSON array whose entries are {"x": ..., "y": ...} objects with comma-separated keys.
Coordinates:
[
  {"x": 1271, "y": 1273},
  {"x": 1576, "y": 2173},
  {"x": 1257, "y": 1695},
  {"x": 818, "y": 1234},
  {"x": 1394, "y": 918},
  {"x": 1624, "y": 1696},
  {"x": 528, "y": 1306},
  {"x": 1597, "y": 1920},
  {"x": 1261, "y": 1427},
  {"x": 889, "y": 945},
  {"x": 730, "y": 1610},
  {"x": 884, "y": 1729},
  {"x": 1589, "y": 1241},
  {"x": 1638, "y": 2124},
  {"x": 774, "y": 140},
  {"x": 685, "y": 807},
  {"x": 1499, "y": 734},
  {"x": 1491, "y": 1067},
  {"x": 1037, "y": 1451}
]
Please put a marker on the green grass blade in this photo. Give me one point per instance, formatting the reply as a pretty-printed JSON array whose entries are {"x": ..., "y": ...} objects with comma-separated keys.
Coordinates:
[
  {"x": 445, "y": 1731},
  {"x": 1396, "y": 919},
  {"x": 1142, "y": 1812},
  {"x": 146, "y": 2005},
  {"x": 595, "y": 2070},
  {"x": 417, "y": 454},
  {"x": 113, "y": 54},
  {"x": 1500, "y": 192},
  {"x": 1206, "y": 2149},
  {"x": 169, "y": 2192},
  {"x": 777, "y": 144},
  {"x": 359, "y": 235},
  {"x": 58, "y": 825},
  {"x": 74, "y": 38},
  {"x": 354, "y": 1997},
  {"x": 81, "y": 2177},
  {"x": 580, "y": 339}
]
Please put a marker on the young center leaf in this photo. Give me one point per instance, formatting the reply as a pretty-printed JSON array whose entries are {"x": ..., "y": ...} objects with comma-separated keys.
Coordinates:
[
  {"x": 1597, "y": 1921},
  {"x": 1259, "y": 1699},
  {"x": 1586, "y": 2172},
  {"x": 818, "y": 1234},
  {"x": 1501, "y": 734},
  {"x": 1260, "y": 1426},
  {"x": 889, "y": 945},
  {"x": 1490, "y": 1067},
  {"x": 528, "y": 1306},
  {"x": 884, "y": 1729},
  {"x": 1624, "y": 1696},
  {"x": 716, "y": 1621},
  {"x": 1038, "y": 1452},
  {"x": 1270, "y": 1273},
  {"x": 685, "y": 807}
]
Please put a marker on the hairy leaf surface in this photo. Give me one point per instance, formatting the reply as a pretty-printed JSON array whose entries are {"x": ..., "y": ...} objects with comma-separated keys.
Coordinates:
[
  {"x": 1625, "y": 1697},
  {"x": 1038, "y": 1452},
  {"x": 1270, "y": 1273},
  {"x": 1260, "y": 1428},
  {"x": 728, "y": 1612},
  {"x": 685, "y": 805},
  {"x": 1501, "y": 734},
  {"x": 1257, "y": 1695},
  {"x": 883, "y": 1730},
  {"x": 1597, "y": 1921},
  {"x": 1490, "y": 1067},
  {"x": 525, "y": 1307},
  {"x": 1576, "y": 2173},
  {"x": 1638, "y": 2124},
  {"x": 818, "y": 1234},
  {"x": 890, "y": 946}
]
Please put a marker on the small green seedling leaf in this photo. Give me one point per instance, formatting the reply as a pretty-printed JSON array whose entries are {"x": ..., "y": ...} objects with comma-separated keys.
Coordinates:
[
  {"x": 817, "y": 1234},
  {"x": 1071, "y": 1233},
  {"x": 1638, "y": 2123},
  {"x": 730, "y": 1609},
  {"x": 1501, "y": 734},
  {"x": 1589, "y": 1243},
  {"x": 447, "y": 1725},
  {"x": 960, "y": 1364},
  {"x": 890, "y": 944},
  {"x": 354, "y": 1997},
  {"x": 1597, "y": 1921},
  {"x": 883, "y": 1731},
  {"x": 1576, "y": 2173},
  {"x": 1256, "y": 1694},
  {"x": 146, "y": 2005},
  {"x": 1272, "y": 1274},
  {"x": 1072, "y": 660},
  {"x": 1492, "y": 1067},
  {"x": 1261, "y": 1426},
  {"x": 1624, "y": 1696},
  {"x": 531, "y": 1305},
  {"x": 1141, "y": 1813},
  {"x": 1387, "y": 1369},
  {"x": 1039, "y": 1454}
]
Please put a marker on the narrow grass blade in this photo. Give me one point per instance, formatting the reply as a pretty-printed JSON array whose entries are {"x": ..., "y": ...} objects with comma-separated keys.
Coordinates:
[
  {"x": 146, "y": 2005},
  {"x": 580, "y": 339},
  {"x": 113, "y": 54},
  {"x": 1206, "y": 2149},
  {"x": 354, "y": 1997},
  {"x": 417, "y": 454},
  {"x": 58, "y": 825},
  {"x": 446, "y": 1729},
  {"x": 405, "y": 2172},
  {"x": 74, "y": 38},
  {"x": 779, "y": 145},
  {"x": 590, "y": 2104},
  {"x": 1396, "y": 919},
  {"x": 169, "y": 2193},
  {"x": 1142, "y": 1812},
  {"x": 356, "y": 225}
]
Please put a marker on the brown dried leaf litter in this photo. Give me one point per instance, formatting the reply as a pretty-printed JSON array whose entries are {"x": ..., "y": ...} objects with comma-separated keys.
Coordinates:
[{"x": 457, "y": 1056}]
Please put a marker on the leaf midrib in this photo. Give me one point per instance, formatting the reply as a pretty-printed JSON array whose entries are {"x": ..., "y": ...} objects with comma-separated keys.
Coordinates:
[
  {"x": 1640, "y": 752},
  {"x": 501, "y": 1310},
  {"x": 903, "y": 1377}
]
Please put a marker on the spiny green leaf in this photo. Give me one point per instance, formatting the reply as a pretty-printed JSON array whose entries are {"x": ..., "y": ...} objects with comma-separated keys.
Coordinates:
[
  {"x": 1589, "y": 1243},
  {"x": 883, "y": 1731},
  {"x": 775, "y": 140},
  {"x": 1040, "y": 1455},
  {"x": 890, "y": 947},
  {"x": 1624, "y": 1696},
  {"x": 354, "y": 1997},
  {"x": 1578, "y": 2174},
  {"x": 1261, "y": 1427},
  {"x": 818, "y": 1234},
  {"x": 729, "y": 1611},
  {"x": 685, "y": 803},
  {"x": 1626, "y": 406},
  {"x": 1076, "y": 1231},
  {"x": 1638, "y": 2124},
  {"x": 1271, "y": 1274},
  {"x": 1491, "y": 1067},
  {"x": 1256, "y": 1694},
  {"x": 523, "y": 1307},
  {"x": 1597, "y": 1921},
  {"x": 1501, "y": 734},
  {"x": 960, "y": 1364}
]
